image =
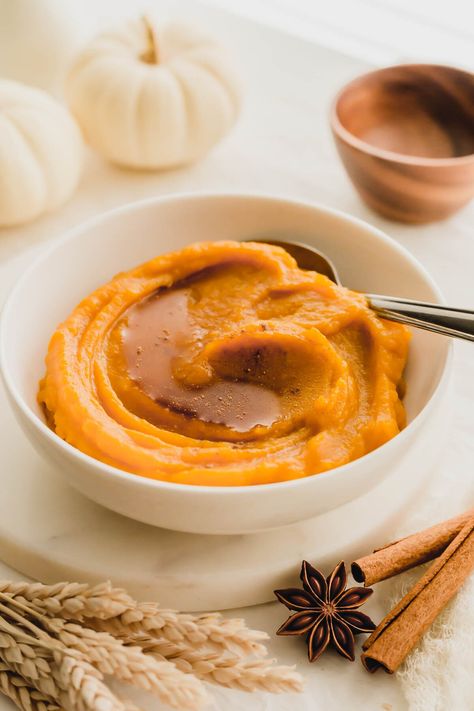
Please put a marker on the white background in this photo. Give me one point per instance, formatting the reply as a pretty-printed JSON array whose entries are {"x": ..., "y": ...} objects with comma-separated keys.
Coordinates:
[{"x": 383, "y": 31}]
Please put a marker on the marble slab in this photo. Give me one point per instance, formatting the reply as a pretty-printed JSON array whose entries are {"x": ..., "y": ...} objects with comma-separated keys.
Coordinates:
[{"x": 51, "y": 532}]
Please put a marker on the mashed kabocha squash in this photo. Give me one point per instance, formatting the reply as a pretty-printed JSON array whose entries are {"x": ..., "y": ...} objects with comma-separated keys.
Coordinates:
[{"x": 224, "y": 364}]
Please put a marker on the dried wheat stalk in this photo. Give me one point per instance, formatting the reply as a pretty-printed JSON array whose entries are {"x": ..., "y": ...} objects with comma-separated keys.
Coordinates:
[
  {"x": 129, "y": 664},
  {"x": 112, "y": 610},
  {"x": 214, "y": 631},
  {"x": 45, "y": 664},
  {"x": 58, "y": 641},
  {"x": 73, "y": 601},
  {"x": 80, "y": 686},
  {"x": 58, "y": 676},
  {"x": 100, "y": 653},
  {"x": 23, "y": 654},
  {"x": 230, "y": 670},
  {"x": 23, "y": 695}
]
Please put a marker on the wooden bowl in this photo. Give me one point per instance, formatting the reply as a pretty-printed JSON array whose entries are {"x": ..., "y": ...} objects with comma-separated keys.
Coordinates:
[{"x": 406, "y": 137}]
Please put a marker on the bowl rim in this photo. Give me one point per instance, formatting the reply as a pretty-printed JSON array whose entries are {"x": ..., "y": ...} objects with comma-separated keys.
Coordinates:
[
  {"x": 346, "y": 136},
  {"x": 102, "y": 468}
]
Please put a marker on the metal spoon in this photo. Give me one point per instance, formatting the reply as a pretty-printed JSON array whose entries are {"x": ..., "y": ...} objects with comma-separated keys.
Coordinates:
[{"x": 458, "y": 323}]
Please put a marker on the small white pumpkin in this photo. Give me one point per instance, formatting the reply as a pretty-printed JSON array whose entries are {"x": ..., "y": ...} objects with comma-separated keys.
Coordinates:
[
  {"x": 40, "y": 153},
  {"x": 153, "y": 98}
]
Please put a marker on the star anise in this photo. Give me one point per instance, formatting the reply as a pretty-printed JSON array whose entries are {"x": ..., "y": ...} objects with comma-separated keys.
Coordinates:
[{"x": 325, "y": 611}]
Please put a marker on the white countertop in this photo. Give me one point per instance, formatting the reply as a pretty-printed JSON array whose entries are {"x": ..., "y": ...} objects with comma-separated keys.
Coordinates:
[{"x": 282, "y": 145}]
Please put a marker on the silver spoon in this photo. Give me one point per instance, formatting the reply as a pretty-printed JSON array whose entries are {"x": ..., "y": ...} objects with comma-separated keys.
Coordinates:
[{"x": 458, "y": 323}]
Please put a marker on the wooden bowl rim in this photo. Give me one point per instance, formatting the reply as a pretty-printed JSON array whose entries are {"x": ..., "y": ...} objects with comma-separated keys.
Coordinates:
[{"x": 341, "y": 132}]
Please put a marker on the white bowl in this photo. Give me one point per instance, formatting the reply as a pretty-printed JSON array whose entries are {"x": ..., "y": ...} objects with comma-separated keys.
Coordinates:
[{"x": 92, "y": 253}]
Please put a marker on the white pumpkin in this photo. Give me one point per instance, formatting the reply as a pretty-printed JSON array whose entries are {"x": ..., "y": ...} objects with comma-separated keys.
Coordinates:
[
  {"x": 40, "y": 153},
  {"x": 149, "y": 97}
]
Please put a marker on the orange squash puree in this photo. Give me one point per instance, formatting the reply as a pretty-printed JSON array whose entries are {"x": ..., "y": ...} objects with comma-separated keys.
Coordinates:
[{"x": 224, "y": 364}]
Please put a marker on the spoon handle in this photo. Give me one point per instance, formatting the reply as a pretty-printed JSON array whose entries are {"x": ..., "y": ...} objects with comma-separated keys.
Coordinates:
[{"x": 458, "y": 323}]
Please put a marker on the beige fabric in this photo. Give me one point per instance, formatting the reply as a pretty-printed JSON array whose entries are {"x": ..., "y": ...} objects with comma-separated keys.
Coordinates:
[{"x": 438, "y": 674}]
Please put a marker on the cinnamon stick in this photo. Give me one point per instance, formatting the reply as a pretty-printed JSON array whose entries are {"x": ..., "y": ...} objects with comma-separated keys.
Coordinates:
[
  {"x": 401, "y": 629},
  {"x": 408, "y": 552}
]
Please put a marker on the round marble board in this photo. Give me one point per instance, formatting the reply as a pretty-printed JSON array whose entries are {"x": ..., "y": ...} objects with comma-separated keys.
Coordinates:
[{"x": 50, "y": 532}]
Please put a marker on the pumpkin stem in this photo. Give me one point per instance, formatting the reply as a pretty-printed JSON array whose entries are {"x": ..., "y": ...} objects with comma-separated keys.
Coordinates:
[{"x": 151, "y": 55}]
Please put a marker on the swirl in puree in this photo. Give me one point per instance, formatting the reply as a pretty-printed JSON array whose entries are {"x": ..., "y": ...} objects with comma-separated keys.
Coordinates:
[{"x": 224, "y": 364}]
